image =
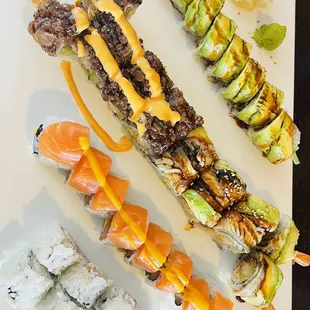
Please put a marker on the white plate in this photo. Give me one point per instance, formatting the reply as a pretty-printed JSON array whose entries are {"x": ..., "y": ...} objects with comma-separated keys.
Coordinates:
[{"x": 33, "y": 89}]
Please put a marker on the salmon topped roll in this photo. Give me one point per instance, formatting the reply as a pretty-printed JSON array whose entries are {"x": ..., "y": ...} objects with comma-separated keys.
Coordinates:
[
  {"x": 182, "y": 265},
  {"x": 82, "y": 177},
  {"x": 118, "y": 233},
  {"x": 146, "y": 257},
  {"x": 58, "y": 143},
  {"x": 99, "y": 204}
]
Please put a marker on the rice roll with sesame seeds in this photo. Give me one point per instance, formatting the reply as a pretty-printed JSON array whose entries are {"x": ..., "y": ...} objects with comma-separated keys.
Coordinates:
[
  {"x": 175, "y": 169},
  {"x": 23, "y": 281},
  {"x": 84, "y": 282},
  {"x": 237, "y": 233},
  {"x": 224, "y": 184},
  {"x": 261, "y": 213},
  {"x": 200, "y": 149}
]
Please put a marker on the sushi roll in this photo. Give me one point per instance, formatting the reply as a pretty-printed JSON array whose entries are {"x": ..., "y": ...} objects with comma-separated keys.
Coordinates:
[
  {"x": 236, "y": 233},
  {"x": 217, "y": 39},
  {"x": 181, "y": 5},
  {"x": 56, "y": 250},
  {"x": 200, "y": 15},
  {"x": 200, "y": 148},
  {"x": 114, "y": 298},
  {"x": 82, "y": 177},
  {"x": 247, "y": 84},
  {"x": 280, "y": 246},
  {"x": 23, "y": 281},
  {"x": 99, "y": 204},
  {"x": 224, "y": 184},
  {"x": 261, "y": 213},
  {"x": 256, "y": 279},
  {"x": 57, "y": 299},
  {"x": 148, "y": 260},
  {"x": 84, "y": 282},
  {"x": 58, "y": 143},
  {"x": 117, "y": 233},
  {"x": 263, "y": 108},
  {"x": 278, "y": 140},
  {"x": 176, "y": 170},
  {"x": 232, "y": 62}
]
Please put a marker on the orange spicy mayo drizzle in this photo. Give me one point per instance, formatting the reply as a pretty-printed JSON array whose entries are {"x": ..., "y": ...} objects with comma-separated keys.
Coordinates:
[
  {"x": 174, "y": 275},
  {"x": 81, "y": 19},
  {"x": 138, "y": 53}
]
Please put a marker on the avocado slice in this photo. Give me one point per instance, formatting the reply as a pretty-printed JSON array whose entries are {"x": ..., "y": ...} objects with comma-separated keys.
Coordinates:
[
  {"x": 261, "y": 213},
  {"x": 264, "y": 107},
  {"x": 247, "y": 84},
  {"x": 233, "y": 60},
  {"x": 276, "y": 139},
  {"x": 272, "y": 282},
  {"x": 216, "y": 41},
  {"x": 181, "y": 5},
  {"x": 200, "y": 15},
  {"x": 201, "y": 209}
]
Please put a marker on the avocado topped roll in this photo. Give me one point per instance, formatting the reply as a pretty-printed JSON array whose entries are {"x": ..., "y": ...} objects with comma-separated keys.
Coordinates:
[
  {"x": 279, "y": 139},
  {"x": 217, "y": 39},
  {"x": 200, "y": 149},
  {"x": 261, "y": 213},
  {"x": 200, "y": 15},
  {"x": 247, "y": 84},
  {"x": 233, "y": 61},
  {"x": 181, "y": 5},
  {"x": 280, "y": 245},
  {"x": 236, "y": 233},
  {"x": 263, "y": 108},
  {"x": 176, "y": 170},
  {"x": 256, "y": 279},
  {"x": 200, "y": 206},
  {"x": 224, "y": 184}
]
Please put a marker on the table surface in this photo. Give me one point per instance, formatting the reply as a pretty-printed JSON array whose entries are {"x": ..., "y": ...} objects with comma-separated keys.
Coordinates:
[{"x": 301, "y": 211}]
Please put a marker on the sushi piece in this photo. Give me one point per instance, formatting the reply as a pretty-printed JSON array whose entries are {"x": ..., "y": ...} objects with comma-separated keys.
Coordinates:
[
  {"x": 256, "y": 279},
  {"x": 116, "y": 232},
  {"x": 84, "y": 282},
  {"x": 224, "y": 184},
  {"x": 236, "y": 233},
  {"x": 201, "y": 150},
  {"x": 82, "y": 177},
  {"x": 217, "y": 39},
  {"x": 263, "y": 108},
  {"x": 280, "y": 246},
  {"x": 114, "y": 298},
  {"x": 278, "y": 140},
  {"x": 247, "y": 84},
  {"x": 181, "y": 5},
  {"x": 23, "y": 281},
  {"x": 261, "y": 213},
  {"x": 99, "y": 204},
  {"x": 55, "y": 249},
  {"x": 182, "y": 265},
  {"x": 199, "y": 207},
  {"x": 57, "y": 299},
  {"x": 58, "y": 143},
  {"x": 232, "y": 62},
  {"x": 176, "y": 170},
  {"x": 200, "y": 15},
  {"x": 148, "y": 260}
]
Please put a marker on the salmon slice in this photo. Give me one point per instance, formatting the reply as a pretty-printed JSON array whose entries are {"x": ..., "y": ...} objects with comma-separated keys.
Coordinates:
[
  {"x": 162, "y": 240},
  {"x": 101, "y": 202},
  {"x": 59, "y": 142},
  {"x": 219, "y": 302},
  {"x": 180, "y": 262},
  {"x": 203, "y": 287},
  {"x": 82, "y": 177},
  {"x": 121, "y": 235}
]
